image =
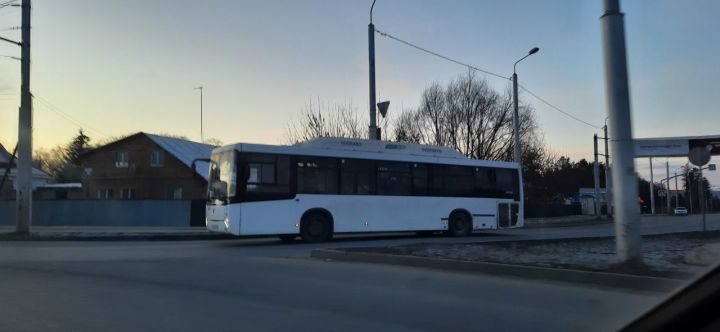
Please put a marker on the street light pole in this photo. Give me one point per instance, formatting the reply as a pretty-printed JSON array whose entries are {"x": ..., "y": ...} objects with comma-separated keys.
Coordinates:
[
  {"x": 625, "y": 199},
  {"x": 516, "y": 112},
  {"x": 372, "y": 130},
  {"x": 202, "y": 137}
]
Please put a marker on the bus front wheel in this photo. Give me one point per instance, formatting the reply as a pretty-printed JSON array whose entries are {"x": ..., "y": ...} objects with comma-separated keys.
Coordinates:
[
  {"x": 315, "y": 227},
  {"x": 459, "y": 224}
]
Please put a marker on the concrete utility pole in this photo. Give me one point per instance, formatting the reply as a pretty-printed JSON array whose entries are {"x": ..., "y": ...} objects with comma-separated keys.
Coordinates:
[
  {"x": 372, "y": 130},
  {"x": 676, "y": 189},
  {"x": 24, "y": 167},
  {"x": 596, "y": 177},
  {"x": 667, "y": 192},
  {"x": 652, "y": 186},
  {"x": 687, "y": 183},
  {"x": 701, "y": 197},
  {"x": 627, "y": 210},
  {"x": 608, "y": 180}
]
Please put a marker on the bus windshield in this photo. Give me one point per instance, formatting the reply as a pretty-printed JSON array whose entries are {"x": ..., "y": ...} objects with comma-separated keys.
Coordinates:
[{"x": 222, "y": 177}]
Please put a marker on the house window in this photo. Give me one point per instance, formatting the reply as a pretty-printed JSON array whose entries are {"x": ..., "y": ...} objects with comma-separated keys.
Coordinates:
[
  {"x": 127, "y": 193},
  {"x": 157, "y": 158},
  {"x": 104, "y": 193},
  {"x": 174, "y": 193},
  {"x": 122, "y": 159}
]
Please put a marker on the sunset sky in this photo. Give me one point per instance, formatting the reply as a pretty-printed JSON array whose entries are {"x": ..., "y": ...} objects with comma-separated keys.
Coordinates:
[{"x": 118, "y": 67}]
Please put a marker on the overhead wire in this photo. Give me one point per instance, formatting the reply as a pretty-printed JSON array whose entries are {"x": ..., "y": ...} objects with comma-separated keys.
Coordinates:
[
  {"x": 420, "y": 48},
  {"x": 385, "y": 34},
  {"x": 7, "y": 3},
  {"x": 66, "y": 116},
  {"x": 557, "y": 108}
]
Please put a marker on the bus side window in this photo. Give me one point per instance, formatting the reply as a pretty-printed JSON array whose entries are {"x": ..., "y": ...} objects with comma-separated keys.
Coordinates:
[
  {"x": 267, "y": 174},
  {"x": 419, "y": 179},
  {"x": 357, "y": 177},
  {"x": 393, "y": 178},
  {"x": 485, "y": 182},
  {"x": 505, "y": 183},
  {"x": 317, "y": 175},
  {"x": 459, "y": 181},
  {"x": 436, "y": 180}
]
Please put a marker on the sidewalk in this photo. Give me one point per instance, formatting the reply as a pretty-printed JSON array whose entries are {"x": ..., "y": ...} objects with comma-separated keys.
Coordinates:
[
  {"x": 574, "y": 220},
  {"x": 88, "y": 233}
]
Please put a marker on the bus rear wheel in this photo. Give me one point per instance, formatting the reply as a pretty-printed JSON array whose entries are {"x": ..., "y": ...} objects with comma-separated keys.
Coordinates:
[
  {"x": 315, "y": 227},
  {"x": 459, "y": 224}
]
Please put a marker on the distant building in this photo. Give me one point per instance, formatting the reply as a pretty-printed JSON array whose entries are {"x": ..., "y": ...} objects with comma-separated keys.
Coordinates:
[
  {"x": 7, "y": 165},
  {"x": 586, "y": 198},
  {"x": 59, "y": 191},
  {"x": 146, "y": 166}
]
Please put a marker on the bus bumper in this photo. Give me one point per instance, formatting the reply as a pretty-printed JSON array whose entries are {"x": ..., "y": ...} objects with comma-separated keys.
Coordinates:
[{"x": 217, "y": 226}]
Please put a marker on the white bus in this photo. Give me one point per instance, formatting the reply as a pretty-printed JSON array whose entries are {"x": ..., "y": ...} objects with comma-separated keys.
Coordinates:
[{"x": 331, "y": 185}]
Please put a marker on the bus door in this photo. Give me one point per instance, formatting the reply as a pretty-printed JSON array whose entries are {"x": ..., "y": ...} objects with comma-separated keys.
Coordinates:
[{"x": 508, "y": 214}]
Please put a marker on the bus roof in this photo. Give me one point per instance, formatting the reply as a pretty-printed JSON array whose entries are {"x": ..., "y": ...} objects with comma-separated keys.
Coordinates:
[{"x": 369, "y": 149}]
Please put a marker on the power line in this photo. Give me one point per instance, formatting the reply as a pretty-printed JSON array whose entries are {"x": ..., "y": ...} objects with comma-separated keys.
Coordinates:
[
  {"x": 7, "y": 3},
  {"x": 66, "y": 116},
  {"x": 10, "y": 57},
  {"x": 557, "y": 108},
  {"x": 385, "y": 34}
]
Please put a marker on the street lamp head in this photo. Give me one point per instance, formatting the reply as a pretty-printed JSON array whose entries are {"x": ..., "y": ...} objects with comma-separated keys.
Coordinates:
[{"x": 532, "y": 51}]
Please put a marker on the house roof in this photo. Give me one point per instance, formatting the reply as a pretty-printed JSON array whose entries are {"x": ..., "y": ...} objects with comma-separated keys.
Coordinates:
[
  {"x": 36, "y": 173},
  {"x": 186, "y": 151},
  {"x": 61, "y": 185},
  {"x": 5, "y": 156}
]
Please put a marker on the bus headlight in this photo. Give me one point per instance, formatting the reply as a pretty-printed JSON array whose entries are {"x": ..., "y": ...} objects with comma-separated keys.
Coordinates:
[{"x": 227, "y": 223}]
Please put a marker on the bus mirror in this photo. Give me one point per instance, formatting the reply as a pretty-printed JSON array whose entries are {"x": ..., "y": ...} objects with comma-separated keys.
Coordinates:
[{"x": 220, "y": 188}]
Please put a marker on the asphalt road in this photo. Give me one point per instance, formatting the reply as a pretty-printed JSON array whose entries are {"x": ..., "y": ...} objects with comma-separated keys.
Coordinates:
[{"x": 261, "y": 284}]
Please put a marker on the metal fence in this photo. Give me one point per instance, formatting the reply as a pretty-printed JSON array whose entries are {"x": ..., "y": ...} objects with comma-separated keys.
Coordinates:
[{"x": 172, "y": 213}]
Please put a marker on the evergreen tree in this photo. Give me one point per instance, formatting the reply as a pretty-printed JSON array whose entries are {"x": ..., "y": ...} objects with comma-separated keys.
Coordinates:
[{"x": 77, "y": 146}]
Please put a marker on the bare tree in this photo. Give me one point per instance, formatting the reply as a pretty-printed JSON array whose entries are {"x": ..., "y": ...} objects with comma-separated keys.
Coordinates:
[
  {"x": 407, "y": 127},
  {"x": 471, "y": 117},
  {"x": 323, "y": 120},
  {"x": 213, "y": 141}
]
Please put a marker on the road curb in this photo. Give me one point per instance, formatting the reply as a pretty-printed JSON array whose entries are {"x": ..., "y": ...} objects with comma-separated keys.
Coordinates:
[
  {"x": 616, "y": 280},
  {"x": 567, "y": 224},
  {"x": 111, "y": 236}
]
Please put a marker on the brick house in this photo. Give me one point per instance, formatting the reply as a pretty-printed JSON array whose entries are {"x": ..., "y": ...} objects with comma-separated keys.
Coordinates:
[{"x": 146, "y": 166}]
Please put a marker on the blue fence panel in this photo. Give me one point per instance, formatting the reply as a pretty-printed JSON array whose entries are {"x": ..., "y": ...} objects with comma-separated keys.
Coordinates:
[{"x": 160, "y": 213}]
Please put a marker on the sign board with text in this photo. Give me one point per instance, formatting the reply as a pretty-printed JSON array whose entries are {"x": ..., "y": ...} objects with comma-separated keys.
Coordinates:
[
  {"x": 675, "y": 146},
  {"x": 654, "y": 147}
]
